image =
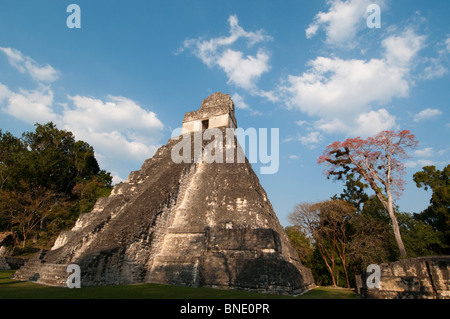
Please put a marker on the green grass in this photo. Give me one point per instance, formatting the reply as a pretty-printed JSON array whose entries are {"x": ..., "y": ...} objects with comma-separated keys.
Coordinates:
[{"x": 13, "y": 289}]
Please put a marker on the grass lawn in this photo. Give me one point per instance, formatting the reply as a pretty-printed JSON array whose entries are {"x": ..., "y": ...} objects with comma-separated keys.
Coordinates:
[{"x": 13, "y": 289}]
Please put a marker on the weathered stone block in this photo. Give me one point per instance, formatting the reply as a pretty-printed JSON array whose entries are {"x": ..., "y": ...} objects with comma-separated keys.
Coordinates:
[{"x": 414, "y": 278}]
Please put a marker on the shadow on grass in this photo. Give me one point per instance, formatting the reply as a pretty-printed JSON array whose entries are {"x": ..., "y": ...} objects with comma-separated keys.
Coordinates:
[{"x": 13, "y": 289}]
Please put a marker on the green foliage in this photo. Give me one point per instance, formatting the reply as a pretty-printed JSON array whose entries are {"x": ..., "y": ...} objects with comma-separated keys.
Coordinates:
[
  {"x": 369, "y": 234},
  {"x": 47, "y": 179},
  {"x": 319, "y": 269},
  {"x": 437, "y": 215},
  {"x": 300, "y": 243},
  {"x": 55, "y": 160},
  {"x": 420, "y": 239},
  {"x": 354, "y": 192}
]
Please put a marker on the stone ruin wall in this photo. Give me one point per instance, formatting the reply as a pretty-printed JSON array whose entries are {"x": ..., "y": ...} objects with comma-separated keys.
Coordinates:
[{"x": 413, "y": 278}]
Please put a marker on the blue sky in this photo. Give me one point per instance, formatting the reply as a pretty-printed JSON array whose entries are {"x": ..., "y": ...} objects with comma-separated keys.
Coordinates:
[{"x": 123, "y": 81}]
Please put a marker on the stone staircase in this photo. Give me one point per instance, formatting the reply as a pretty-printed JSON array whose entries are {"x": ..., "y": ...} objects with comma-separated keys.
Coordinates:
[
  {"x": 179, "y": 239},
  {"x": 44, "y": 273}
]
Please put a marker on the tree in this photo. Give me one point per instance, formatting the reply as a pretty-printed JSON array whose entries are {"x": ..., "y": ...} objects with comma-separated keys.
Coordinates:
[
  {"x": 27, "y": 210},
  {"x": 335, "y": 215},
  {"x": 420, "y": 238},
  {"x": 12, "y": 151},
  {"x": 325, "y": 224},
  {"x": 367, "y": 229},
  {"x": 56, "y": 160},
  {"x": 437, "y": 215},
  {"x": 306, "y": 217},
  {"x": 300, "y": 243},
  {"x": 354, "y": 192},
  {"x": 368, "y": 236},
  {"x": 47, "y": 179},
  {"x": 378, "y": 160}
]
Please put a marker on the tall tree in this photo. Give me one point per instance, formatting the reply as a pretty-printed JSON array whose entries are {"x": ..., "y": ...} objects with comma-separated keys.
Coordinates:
[
  {"x": 378, "y": 160},
  {"x": 354, "y": 192},
  {"x": 367, "y": 241},
  {"x": 325, "y": 224},
  {"x": 334, "y": 216},
  {"x": 46, "y": 178},
  {"x": 306, "y": 217},
  {"x": 300, "y": 243},
  {"x": 12, "y": 151},
  {"x": 56, "y": 160},
  {"x": 437, "y": 215},
  {"x": 27, "y": 210}
]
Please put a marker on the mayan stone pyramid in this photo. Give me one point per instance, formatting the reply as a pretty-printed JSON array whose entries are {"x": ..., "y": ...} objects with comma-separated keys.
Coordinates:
[{"x": 191, "y": 223}]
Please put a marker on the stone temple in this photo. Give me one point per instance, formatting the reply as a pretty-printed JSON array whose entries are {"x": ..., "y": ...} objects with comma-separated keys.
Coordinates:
[{"x": 189, "y": 223}]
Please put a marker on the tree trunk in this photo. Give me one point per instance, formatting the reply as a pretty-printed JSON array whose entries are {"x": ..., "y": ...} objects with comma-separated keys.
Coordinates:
[
  {"x": 390, "y": 209},
  {"x": 333, "y": 266},
  {"x": 330, "y": 268},
  {"x": 398, "y": 237},
  {"x": 344, "y": 265}
]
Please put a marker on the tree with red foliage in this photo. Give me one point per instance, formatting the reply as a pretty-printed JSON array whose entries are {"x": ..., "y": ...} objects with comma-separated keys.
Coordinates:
[{"x": 378, "y": 160}]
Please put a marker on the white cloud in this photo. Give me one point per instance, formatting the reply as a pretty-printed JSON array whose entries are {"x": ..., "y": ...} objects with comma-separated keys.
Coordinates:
[
  {"x": 116, "y": 112},
  {"x": 239, "y": 102},
  {"x": 243, "y": 70},
  {"x": 26, "y": 64},
  {"x": 426, "y": 152},
  {"x": 373, "y": 122},
  {"x": 118, "y": 127},
  {"x": 420, "y": 163},
  {"x": 401, "y": 49},
  {"x": 294, "y": 156},
  {"x": 116, "y": 179},
  {"x": 310, "y": 139},
  {"x": 120, "y": 130},
  {"x": 362, "y": 124},
  {"x": 434, "y": 70},
  {"x": 443, "y": 151},
  {"x": 31, "y": 106},
  {"x": 424, "y": 162},
  {"x": 334, "y": 86},
  {"x": 427, "y": 114},
  {"x": 333, "y": 125},
  {"x": 4, "y": 92},
  {"x": 345, "y": 94},
  {"x": 423, "y": 158},
  {"x": 268, "y": 95},
  {"x": 448, "y": 44},
  {"x": 207, "y": 50},
  {"x": 312, "y": 29},
  {"x": 341, "y": 22}
]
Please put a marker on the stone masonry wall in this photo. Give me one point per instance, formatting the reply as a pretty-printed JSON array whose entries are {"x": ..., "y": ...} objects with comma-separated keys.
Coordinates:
[{"x": 414, "y": 278}]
